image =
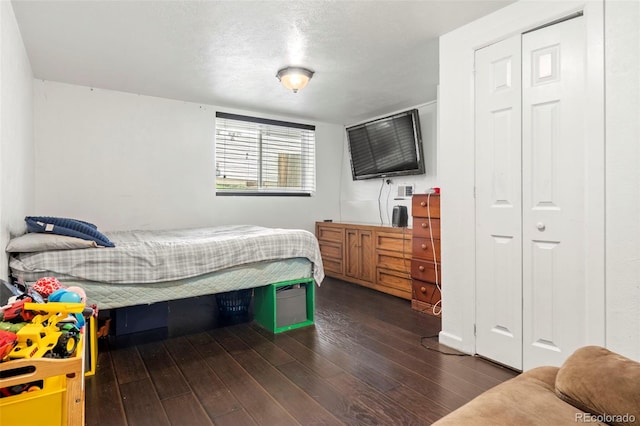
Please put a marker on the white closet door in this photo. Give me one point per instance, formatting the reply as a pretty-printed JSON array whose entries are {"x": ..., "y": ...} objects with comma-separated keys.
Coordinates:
[
  {"x": 536, "y": 219},
  {"x": 498, "y": 203},
  {"x": 555, "y": 218}
]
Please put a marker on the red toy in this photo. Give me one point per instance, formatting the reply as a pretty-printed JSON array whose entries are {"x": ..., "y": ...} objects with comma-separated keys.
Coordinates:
[
  {"x": 47, "y": 285},
  {"x": 16, "y": 312},
  {"x": 7, "y": 342}
]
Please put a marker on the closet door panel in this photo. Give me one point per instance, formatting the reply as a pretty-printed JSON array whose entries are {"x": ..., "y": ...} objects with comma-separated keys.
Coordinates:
[
  {"x": 498, "y": 203},
  {"x": 555, "y": 220}
]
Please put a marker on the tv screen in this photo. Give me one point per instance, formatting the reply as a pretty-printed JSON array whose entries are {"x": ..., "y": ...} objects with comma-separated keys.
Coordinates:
[{"x": 389, "y": 146}]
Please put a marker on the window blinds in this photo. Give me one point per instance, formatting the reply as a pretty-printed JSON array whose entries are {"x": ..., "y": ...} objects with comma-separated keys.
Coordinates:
[{"x": 263, "y": 157}]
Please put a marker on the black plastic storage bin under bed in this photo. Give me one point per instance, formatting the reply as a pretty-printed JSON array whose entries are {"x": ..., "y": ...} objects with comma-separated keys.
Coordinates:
[{"x": 233, "y": 306}]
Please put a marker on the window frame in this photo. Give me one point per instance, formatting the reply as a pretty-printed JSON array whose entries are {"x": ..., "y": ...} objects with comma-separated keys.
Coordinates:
[{"x": 260, "y": 191}]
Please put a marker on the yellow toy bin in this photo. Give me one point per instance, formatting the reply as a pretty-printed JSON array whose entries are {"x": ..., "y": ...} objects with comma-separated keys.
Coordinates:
[
  {"x": 90, "y": 337},
  {"x": 59, "y": 402}
]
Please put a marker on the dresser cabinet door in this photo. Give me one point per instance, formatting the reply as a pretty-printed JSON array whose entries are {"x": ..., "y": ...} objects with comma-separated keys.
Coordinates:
[{"x": 359, "y": 262}]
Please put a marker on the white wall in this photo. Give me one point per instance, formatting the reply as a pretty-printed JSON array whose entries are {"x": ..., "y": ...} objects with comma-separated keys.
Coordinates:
[
  {"x": 124, "y": 161},
  {"x": 620, "y": 321},
  {"x": 16, "y": 132},
  {"x": 622, "y": 47},
  {"x": 359, "y": 199}
]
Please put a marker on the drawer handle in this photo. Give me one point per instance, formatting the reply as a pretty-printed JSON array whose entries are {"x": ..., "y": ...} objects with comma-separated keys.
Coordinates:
[
  {"x": 424, "y": 247},
  {"x": 423, "y": 290},
  {"x": 421, "y": 268},
  {"x": 424, "y": 224},
  {"x": 423, "y": 204}
]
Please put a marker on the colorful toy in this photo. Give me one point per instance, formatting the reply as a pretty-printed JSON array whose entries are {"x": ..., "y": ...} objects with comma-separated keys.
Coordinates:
[
  {"x": 45, "y": 336},
  {"x": 80, "y": 291},
  {"x": 13, "y": 327},
  {"x": 15, "y": 311},
  {"x": 7, "y": 342},
  {"x": 56, "y": 295},
  {"x": 70, "y": 295},
  {"x": 47, "y": 285}
]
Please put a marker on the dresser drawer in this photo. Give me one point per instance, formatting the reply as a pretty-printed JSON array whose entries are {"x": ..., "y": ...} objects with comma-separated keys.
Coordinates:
[
  {"x": 394, "y": 279},
  {"x": 424, "y": 270},
  {"x": 422, "y": 249},
  {"x": 333, "y": 266},
  {"x": 327, "y": 232},
  {"x": 421, "y": 227},
  {"x": 330, "y": 250},
  {"x": 395, "y": 261},
  {"x": 394, "y": 241},
  {"x": 420, "y": 202},
  {"x": 425, "y": 292}
]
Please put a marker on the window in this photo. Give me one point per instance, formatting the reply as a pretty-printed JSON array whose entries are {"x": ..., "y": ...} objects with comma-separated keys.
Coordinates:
[{"x": 256, "y": 156}]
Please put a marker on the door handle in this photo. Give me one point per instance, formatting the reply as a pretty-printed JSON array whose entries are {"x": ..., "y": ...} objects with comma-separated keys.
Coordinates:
[{"x": 541, "y": 226}]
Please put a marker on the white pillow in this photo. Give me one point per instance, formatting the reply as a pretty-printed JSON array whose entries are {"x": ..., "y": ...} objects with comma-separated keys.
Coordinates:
[{"x": 32, "y": 242}]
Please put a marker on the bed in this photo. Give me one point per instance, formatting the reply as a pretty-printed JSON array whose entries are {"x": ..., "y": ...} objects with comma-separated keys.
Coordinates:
[{"x": 147, "y": 267}]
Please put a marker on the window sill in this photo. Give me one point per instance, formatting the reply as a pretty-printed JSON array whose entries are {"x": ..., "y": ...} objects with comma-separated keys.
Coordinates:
[{"x": 261, "y": 194}]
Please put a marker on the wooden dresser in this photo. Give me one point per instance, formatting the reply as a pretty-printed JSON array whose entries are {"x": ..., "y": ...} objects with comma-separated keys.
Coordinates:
[
  {"x": 373, "y": 256},
  {"x": 425, "y": 210}
]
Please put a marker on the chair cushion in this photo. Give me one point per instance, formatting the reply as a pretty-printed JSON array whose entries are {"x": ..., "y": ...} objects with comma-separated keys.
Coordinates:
[{"x": 602, "y": 383}]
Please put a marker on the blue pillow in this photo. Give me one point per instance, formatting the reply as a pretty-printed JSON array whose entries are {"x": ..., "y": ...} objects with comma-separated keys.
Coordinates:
[{"x": 68, "y": 227}]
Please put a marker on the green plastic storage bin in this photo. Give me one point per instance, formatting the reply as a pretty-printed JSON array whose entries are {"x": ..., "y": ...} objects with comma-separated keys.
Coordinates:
[{"x": 286, "y": 305}]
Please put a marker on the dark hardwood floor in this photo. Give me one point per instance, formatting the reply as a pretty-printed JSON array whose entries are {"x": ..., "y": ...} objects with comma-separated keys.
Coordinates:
[{"x": 363, "y": 362}]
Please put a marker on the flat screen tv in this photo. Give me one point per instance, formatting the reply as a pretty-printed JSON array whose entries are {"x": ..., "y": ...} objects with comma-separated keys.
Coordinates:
[{"x": 389, "y": 146}]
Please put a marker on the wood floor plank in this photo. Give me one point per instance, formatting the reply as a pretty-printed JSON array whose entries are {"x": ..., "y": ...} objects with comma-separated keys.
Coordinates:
[
  {"x": 415, "y": 401},
  {"x": 164, "y": 373},
  {"x": 305, "y": 356},
  {"x": 378, "y": 307},
  {"x": 261, "y": 344},
  {"x": 142, "y": 405},
  {"x": 230, "y": 342},
  {"x": 299, "y": 404},
  {"x": 471, "y": 368},
  {"x": 358, "y": 335},
  {"x": 255, "y": 400},
  {"x": 235, "y": 418},
  {"x": 128, "y": 365},
  {"x": 216, "y": 399},
  {"x": 386, "y": 411},
  {"x": 185, "y": 409},
  {"x": 402, "y": 374},
  {"x": 345, "y": 407},
  {"x": 354, "y": 363},
  {"x": 418, "y": 403},
  {"x": 102, "y": 394},
  {"x": 385, "y": 308}
]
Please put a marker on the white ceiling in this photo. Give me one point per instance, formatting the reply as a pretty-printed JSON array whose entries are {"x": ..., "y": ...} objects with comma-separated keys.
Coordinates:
[{"x": 370, "y": 57}]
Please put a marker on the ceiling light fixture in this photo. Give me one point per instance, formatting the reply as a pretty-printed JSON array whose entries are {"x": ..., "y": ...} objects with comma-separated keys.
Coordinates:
[{"x": 294, "y": 78}]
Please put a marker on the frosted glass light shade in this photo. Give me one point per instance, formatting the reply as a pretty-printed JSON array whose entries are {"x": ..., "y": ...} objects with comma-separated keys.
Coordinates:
[{"x": 294, "y": 78}]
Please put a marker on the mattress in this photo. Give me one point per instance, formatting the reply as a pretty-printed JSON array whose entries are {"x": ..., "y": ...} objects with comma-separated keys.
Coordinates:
[
  {"x": 109, "y": 296},
  {"x": 170, "y": 255},
  {"x": 147, "y": 267}
]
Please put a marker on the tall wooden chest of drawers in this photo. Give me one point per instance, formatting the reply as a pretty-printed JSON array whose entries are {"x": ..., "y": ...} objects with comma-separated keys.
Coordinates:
[{"x": 425, "y": 254}]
